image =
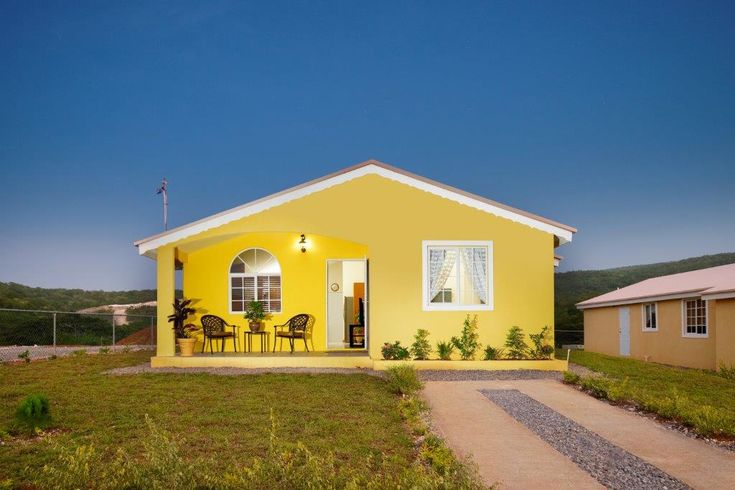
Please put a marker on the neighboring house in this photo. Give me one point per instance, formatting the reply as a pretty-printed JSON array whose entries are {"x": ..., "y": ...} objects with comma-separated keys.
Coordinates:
[
  {"x": 370, "y": 244},
  {"x": 685, "y": 319}
]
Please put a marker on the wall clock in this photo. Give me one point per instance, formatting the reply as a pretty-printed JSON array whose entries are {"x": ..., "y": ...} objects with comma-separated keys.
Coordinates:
[{"x": 334, "y": 287}]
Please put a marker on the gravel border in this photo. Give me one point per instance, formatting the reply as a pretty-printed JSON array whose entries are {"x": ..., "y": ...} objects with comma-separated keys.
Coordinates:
[
  {"x": 609, "y": 464},
  {"x": 480, "y": 375},
  {"x": 226, "y": 371}
]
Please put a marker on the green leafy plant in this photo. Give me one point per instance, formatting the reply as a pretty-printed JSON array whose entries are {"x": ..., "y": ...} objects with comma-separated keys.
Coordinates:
[
  {"x": 421, "y": 349},
  {"x": 182, "y": 311},
  {"x": 493, "y": 353},
  {"x": 403, "y": 379},
  {"x": 255, "y": 312},
  {"x": 33, "y": 413},
  {"x": 727, "y": 372},
  {"x": 394, "y": 351},
  {"x": 25, "y": 356},
  {"x": 541, "y": 348},
  {"x": 571, "y": 378},
  {"x": 445, "y": 350},
  {"x": 515, "y": 344},
  {"x": 468, "y": 343}
]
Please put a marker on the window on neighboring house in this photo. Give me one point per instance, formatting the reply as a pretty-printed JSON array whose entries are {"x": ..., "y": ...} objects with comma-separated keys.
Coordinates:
[
  {"x": 255, "y": 274},
  {"x": 695, "y": 317},
  {"x": 649, "y": 317},
  {"x": 458, "y": 276}
]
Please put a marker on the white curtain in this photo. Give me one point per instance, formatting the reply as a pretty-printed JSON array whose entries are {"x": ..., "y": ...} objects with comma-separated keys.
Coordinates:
[
  {"x": 441, "y": 262},
  {"x": 475, "y": 263}
]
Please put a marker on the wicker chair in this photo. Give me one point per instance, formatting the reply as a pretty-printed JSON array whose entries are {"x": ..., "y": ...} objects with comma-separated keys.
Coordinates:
[
  {"x": 214, "y": 329},
  {"x": 293, "y": 329}
]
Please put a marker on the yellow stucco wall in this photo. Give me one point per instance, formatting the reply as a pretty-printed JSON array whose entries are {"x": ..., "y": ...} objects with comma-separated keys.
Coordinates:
[
  {"x": 666, "y": 345},
  {"x": 725, "y": 350},
  {"x": 388, "y": 221}
]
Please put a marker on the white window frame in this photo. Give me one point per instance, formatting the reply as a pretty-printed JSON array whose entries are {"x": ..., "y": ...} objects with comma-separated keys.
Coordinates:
[
  {"x": 426, "y": 301},
  {"x": 684, "y": 319},
  {"x": 230, "y": 275},
  {"x": 644, "y": 317}
]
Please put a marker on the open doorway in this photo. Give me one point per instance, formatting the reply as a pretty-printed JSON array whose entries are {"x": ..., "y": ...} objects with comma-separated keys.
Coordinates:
[{"x": 347, "y": 304}]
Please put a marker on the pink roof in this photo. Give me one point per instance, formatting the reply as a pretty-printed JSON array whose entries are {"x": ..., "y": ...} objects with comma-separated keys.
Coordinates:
[{"x": 704, "y": 282}]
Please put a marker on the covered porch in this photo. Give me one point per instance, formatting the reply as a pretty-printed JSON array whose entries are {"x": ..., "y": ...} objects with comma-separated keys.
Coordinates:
[{"x": 290, "y": 274}]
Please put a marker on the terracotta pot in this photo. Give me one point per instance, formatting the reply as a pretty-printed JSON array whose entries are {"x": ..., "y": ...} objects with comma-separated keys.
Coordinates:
[
  {"x": 255, "y": 326},
  {"x": 186, "y": 347}
]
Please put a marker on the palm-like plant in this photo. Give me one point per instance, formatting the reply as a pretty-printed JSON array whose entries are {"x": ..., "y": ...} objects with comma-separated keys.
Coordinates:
[{"x": 182, "y": 311}]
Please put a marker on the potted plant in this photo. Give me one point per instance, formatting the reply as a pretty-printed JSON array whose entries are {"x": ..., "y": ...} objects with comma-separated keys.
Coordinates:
[
  {"x": 255, "y": 314},
  {"x": 181, "y": 313},
  {"x": 187, "y": 343}
]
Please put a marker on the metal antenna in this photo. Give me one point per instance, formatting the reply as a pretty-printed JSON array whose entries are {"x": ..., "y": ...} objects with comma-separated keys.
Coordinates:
[{"x": 164, "y": 190}]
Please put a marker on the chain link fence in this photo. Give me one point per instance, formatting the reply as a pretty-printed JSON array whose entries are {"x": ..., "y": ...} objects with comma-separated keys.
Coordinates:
[
  {"x": 568, "y": 338},
  {"x": 38, "y": 334}
]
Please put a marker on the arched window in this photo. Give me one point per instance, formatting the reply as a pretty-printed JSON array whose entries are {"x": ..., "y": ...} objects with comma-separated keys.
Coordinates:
[{"x": 255, "y": 274}]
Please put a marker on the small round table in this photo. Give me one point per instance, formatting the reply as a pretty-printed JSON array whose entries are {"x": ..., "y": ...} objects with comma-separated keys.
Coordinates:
[{"x": 249, "y": 340}]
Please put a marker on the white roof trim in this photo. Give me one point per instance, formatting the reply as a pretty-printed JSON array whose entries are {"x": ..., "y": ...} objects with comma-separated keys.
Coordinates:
[
  {"x": 646, "y": 299},
  {"x": 150, "y": 244},
  {"x": 723, "y": 295}
]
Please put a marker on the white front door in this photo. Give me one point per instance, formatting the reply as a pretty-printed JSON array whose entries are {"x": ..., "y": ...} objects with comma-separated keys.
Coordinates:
[{"x": 624, "y": 331}]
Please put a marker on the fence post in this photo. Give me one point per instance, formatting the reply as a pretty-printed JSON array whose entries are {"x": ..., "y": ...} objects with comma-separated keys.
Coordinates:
[
  {"x": 113, "y": 331},
  {"x": 54, "y": 333}
]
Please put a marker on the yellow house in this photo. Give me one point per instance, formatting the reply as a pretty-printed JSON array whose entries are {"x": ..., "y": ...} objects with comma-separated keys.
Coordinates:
[
  {"x": 370, "y": 246},
  {"x": 685, "y": 319}
]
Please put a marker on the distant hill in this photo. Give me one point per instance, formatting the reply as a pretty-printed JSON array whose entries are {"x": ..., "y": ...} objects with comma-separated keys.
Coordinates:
[
  {"x": 575, "y": 286},
  {"x": 13, "y": 295}
]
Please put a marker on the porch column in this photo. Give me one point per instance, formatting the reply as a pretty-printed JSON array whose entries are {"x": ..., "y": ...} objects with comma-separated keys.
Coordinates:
[{"x": 164, "y": 300}]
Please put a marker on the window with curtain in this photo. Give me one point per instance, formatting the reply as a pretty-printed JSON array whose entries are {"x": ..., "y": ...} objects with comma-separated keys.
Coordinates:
[
  {"x": 457, "y": 275},
  {"x": 649, "y": 317},
  {"x": 255, "y": 274}
]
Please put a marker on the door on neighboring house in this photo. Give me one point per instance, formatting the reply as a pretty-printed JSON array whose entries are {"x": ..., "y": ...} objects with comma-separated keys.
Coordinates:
[{"x": 624, "y": 331}]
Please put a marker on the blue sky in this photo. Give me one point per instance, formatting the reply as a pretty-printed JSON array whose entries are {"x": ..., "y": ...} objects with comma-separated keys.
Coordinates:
[{"x": 615, "y": 117}]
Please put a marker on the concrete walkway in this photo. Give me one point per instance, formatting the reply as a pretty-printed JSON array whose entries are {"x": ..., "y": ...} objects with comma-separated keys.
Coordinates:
[{"x": 510, "y": 454}]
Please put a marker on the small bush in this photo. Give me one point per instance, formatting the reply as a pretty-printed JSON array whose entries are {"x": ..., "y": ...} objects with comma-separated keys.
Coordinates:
[
  {"x": 493, "y": 353},
  {"x": 727, "y": 372},
  {"x": 53, "y": 357},
  {"x": 541, "y": 348},
  {"x": 571, "y": 378},
  {"x": 515, "y": 343},
  {"x": 33, "y": 414},
  {"x": 79, "y": 352},
  {"x": 403, "y": 379},
  {"x": 421, "y": 349},
  {"x": 104, "y": 350},
  {"x": 394, "y": 351},
  {"x": 445, "y": 350},
  {"x": 467, "y": 344},
  {"x": 126, "y": 349},
  {"x": 25, "y": 355}
]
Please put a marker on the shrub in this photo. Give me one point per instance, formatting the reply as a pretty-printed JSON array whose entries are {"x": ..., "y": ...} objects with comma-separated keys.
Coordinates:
[
  {"x": 79, "y": 352},
  {"x": 394, "y": 351},
  {"x": 467, "y": 344},
  {"x": 403, "y": 379},
  {"x": 104, "y": 350},
  {"x": 421, "y": 349},
  {"x": 571, "y": 378},
  {"x": 493, "y": 353},
  {"x": 445, "y": 350},
  {"x": 515, "y": 343},
  {"x": 126, "y": 349},
  {"x": 33, "y": 413},
  {"x": 727, "y": 372},
  {"x": 541, "y": 348},
  {"x": 25, "y": 355}
]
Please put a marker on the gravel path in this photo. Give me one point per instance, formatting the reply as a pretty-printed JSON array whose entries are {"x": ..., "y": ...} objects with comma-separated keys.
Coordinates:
[
  {"x": 10, "y": 353},
  {"x": 607, "y": 463}
]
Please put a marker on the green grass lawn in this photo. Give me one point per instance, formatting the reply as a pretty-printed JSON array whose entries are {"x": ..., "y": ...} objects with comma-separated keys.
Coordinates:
[
  {"x": 698, "y": 398},
  {"x": 227, "y": 417}
]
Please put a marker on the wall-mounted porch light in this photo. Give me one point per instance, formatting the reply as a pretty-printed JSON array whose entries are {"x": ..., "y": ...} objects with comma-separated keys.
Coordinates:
[{"x": 302, "y": 243}]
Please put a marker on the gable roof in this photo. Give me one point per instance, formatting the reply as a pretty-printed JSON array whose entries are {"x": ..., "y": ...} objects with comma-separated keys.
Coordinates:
[
  {"x": 561, "y": 231},
  {"x": 711, "y": 283}
]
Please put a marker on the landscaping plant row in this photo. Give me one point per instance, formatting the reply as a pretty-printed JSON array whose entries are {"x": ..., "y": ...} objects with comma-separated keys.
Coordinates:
[{"x": 468, "y": 346}]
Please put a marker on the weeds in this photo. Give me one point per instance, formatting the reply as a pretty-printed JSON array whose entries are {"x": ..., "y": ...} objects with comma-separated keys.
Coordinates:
[{"x": 403, "y": 379}]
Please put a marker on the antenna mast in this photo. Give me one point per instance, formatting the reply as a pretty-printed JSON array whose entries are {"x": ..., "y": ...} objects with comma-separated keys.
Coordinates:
[{"x": 164, "y": 190}]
